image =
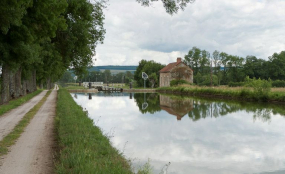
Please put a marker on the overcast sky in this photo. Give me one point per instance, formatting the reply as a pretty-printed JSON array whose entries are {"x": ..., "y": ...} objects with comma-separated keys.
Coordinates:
[{"x": 237, "y": 27}]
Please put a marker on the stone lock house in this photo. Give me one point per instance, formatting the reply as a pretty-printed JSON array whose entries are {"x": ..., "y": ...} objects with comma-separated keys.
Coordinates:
[{"x": 165, "y": 73}]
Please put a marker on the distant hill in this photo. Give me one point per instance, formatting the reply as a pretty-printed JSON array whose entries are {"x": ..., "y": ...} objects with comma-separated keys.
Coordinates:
[{"x": 114, "y": 69}]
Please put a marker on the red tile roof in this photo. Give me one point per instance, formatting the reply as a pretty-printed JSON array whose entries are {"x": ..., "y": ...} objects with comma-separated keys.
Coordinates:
[{"x": 169, "y": 67}]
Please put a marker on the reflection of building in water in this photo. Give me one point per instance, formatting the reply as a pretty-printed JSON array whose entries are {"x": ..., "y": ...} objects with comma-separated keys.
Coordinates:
[{"x": 178, "y": 107}]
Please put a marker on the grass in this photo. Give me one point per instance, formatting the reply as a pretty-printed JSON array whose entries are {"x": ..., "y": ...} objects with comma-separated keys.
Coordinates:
[
  {"x": 241, "y": 93},
  {"x": 82, "y": 146},
  {"x": 11, "y": 138},
  {"x": 17, "y": 102}
]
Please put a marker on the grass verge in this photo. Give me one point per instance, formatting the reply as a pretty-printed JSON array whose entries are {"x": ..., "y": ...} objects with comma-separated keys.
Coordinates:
[
  {"x": 11, "y": 138},
  {"x": 17, "y": 102},
  {"x": 244, "y": 93},
  {"x": 82, "y": 146}
]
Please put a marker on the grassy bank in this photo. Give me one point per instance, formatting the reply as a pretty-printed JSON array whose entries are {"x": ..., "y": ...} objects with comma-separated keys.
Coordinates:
[
  {"x": 12, "y": 137},
  {"x": 82, "y": 146},
  {"x": 240, "y": 93},
  {"x": 17, "y": 102}
]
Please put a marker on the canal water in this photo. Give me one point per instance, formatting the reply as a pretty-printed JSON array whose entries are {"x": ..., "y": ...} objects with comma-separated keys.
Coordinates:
[{"x": 182, "y": 135}]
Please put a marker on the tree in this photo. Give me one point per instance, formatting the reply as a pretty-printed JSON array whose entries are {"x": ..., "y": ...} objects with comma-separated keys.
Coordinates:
[
  {"x": 148, "y": 67},
  {"x": 153, "y": 79},
  {"x": 171, "y": 6},
  {"x": 216, "y": 58},
  {"x": 276, "y": 66},
  {"x": 107, "y": 76},
  {"x": 192, "y": 59}
]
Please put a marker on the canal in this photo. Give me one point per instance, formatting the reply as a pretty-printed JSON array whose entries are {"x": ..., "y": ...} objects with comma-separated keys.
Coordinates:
[{"x": 182, "y": 135}]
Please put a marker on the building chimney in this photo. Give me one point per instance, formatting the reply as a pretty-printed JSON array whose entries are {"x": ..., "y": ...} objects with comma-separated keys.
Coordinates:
[{"x": 178, "y": 59}]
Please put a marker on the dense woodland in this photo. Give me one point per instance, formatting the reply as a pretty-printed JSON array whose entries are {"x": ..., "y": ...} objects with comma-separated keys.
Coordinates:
[{"x": 40, "y": 40}]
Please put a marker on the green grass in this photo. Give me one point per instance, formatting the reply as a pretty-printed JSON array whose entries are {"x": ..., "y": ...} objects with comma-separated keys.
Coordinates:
[
  {"x": 247, "y": 94},
  {"x": 82, "y": 146},
  {"x": 11, "y": 138},
  {"x": 74, "y": 87},
  {"x": 17, "y": 102}
]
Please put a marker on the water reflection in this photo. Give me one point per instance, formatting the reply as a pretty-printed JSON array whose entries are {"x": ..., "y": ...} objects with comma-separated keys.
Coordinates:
[
  {"x": 197, "y": 109},
  {"x": 178, "y": 107},
  {"x": 212, "y": 137}
]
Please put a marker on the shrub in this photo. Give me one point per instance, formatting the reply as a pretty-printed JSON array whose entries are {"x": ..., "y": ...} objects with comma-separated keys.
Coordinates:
[
  {"x": 278, "y": 83},
  {"x": 178, "y": 82},
  {"x": 236, "y": 84},
  {"x": 206, "y": 80},
  {"x": 260, "y": 87}
]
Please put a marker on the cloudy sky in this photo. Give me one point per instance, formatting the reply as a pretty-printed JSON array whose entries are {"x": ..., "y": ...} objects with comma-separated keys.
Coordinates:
[{"x": 237, "y": 27}]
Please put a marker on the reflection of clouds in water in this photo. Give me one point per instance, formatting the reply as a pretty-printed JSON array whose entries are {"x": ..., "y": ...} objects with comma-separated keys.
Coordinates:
[{"x": 228, "y": 144}]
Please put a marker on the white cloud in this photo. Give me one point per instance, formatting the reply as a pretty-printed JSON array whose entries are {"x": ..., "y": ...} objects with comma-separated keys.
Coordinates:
[{"x": 240, "y": 28}]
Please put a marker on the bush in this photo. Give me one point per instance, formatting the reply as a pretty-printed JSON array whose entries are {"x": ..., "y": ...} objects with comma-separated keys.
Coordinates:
[
  {"x": 260, "y": 87},
  {"x": 178, "y": 82},
  {"x": 206, "y": 80},
  {"x": 235, "y": 84},
  {"x": 278, "y": 83}
]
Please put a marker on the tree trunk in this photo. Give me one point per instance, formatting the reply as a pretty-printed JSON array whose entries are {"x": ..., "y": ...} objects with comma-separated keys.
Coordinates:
[
  {"x": 34, "y": 80},
  {"x": 12, "y": 87},
  {"x": 24, "y": 88},
  {"x": 41, "y": 85},
  {"x": 18, "y": 83},
  {"x": 29, "y": 84},
  {"x": 48, "y": 83},
  {"x": 5, "y": 84}
]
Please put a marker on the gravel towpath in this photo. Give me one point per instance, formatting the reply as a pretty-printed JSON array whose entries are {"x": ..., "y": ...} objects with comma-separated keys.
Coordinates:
[
  {"x": 33, "y": 151},
  {"x": 10, "y": 119}
]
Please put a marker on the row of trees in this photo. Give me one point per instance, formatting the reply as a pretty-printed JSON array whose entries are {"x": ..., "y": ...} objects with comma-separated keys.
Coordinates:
[
  {"x": 227, "y": 68},
  {"x": 39, "y": 40},
  {"x": 97, "y": 76}
]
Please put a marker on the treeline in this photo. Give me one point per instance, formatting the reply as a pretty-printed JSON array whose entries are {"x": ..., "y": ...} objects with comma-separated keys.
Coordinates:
[
  {"x": 230, "y": 69},
  {"x": 97, "y": 76},
  {"x": 40, "y": 40}
]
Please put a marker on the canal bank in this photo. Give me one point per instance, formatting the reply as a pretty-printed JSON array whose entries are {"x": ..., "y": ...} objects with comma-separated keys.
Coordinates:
[
  {"x": 275, "y": 95},
  {"x": 82, "y": 146}
]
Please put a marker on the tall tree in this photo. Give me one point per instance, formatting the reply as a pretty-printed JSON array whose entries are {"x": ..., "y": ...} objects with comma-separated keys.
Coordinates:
[
  {"x": 216, "y": 58},
  {"x": 192, "y": 59}
]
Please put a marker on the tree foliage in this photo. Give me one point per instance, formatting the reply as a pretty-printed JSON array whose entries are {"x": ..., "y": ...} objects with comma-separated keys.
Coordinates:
[
  {"x": 231, "y": 69},
  {"x": 171, "y": 6},
  {"x": 39, "y": 40},
  {"x": 148, "y": 67}
]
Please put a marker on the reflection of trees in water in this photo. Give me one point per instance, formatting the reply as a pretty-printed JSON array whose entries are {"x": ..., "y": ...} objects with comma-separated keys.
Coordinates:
[
  {"x": 201, "y": 108},
  {"x": 151, "y": 98},
  {"x": 204, "y": 109}
]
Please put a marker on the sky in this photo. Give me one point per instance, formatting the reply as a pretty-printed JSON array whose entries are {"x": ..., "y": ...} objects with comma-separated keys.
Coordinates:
[{"x": 237, "y": 27}]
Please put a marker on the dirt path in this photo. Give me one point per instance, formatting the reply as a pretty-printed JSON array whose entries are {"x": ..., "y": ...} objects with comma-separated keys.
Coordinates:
[
  {"x": 10, "y": 119},
  {"x": 33, "y": 152}
]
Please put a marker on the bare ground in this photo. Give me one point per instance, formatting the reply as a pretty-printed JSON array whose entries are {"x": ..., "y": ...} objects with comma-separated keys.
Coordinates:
[{"x": 33, "y": 152}]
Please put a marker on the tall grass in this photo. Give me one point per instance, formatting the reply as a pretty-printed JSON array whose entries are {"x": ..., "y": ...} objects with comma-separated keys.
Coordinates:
[
  {"x": 82, "y": 146},
  {"x": 17, "y": 102},
  {"x": 241, "y": 93}
]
